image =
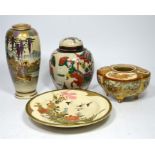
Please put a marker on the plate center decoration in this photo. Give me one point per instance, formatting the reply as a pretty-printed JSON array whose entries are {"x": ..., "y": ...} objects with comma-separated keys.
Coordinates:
[{"x": 68, "y": 108}]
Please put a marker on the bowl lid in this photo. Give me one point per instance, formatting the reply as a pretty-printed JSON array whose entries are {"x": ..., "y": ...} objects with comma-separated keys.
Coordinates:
[{"x": 71, "y": 44}]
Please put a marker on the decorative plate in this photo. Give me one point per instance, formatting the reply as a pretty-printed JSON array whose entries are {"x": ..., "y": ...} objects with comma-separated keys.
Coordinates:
[{"x": 68, "y": 108}]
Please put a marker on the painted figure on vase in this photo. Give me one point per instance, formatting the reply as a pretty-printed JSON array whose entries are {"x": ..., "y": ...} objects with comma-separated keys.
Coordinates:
[{"x": 23, "y": 57}]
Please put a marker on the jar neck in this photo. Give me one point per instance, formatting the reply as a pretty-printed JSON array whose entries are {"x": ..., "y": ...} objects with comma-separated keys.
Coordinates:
[{"x": 64, "y": 49}]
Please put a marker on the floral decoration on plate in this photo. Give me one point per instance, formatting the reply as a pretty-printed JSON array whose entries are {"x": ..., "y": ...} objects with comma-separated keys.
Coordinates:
[{"x": 68, "y": 108}]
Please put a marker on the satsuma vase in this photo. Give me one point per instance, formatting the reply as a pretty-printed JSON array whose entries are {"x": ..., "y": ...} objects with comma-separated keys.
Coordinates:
[{"x": 23, "y": 57}]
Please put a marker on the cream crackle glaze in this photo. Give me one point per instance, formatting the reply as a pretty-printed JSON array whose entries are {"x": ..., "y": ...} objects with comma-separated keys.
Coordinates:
[
  {"x": 71, "y": 65},
  {"x": 123, "y": 80},
  {"x": 23, "y": 57}
]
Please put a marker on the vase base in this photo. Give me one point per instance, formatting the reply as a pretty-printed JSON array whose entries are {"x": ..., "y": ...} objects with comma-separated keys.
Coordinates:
[{"x": 27, "y": 95}]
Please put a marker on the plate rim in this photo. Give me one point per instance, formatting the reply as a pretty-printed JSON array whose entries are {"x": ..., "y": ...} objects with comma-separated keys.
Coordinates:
[{"x": 68, "y": 126}]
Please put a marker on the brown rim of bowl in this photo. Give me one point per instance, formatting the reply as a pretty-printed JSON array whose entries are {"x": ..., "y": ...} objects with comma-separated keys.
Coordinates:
[
  {"x": 103, "y": 75},
  {"x": 124, "y": 68}
]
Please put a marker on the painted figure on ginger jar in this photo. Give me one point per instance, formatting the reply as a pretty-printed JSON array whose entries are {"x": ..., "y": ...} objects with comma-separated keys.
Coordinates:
[
  {"x": 71, "y": 65},
  {"x": 23, "y": 57}
]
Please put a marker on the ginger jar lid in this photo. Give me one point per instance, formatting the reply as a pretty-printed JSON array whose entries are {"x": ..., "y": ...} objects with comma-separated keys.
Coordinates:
[{"x": 71, "y": 44}]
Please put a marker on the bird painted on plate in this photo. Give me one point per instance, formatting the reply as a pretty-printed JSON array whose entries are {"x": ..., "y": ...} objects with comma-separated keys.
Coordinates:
[
  {"x": 88, "y": 104},
  {"x": 68, "y": 103}
]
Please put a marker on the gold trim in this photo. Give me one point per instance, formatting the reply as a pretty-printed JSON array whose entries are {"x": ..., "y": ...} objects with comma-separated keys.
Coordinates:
[
  {"x": 131, "y": 80},
  {"x": 21, "y": 26},
  {"x": 68, "y": 126},
  {"x": 131, "y": 67},
  {"x": 26, "y": 95},
  {"x": 111, "y": 68}
]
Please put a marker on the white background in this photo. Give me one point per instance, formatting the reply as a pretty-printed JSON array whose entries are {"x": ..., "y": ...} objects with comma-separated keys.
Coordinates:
[{"x": 112, "y": 40}]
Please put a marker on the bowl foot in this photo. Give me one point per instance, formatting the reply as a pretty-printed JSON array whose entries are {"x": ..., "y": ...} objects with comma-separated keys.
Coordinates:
[
  {"x": 136, "y": 97},
  {"x": 106, "y": 92},
  {"x": 120, "y": 99}
]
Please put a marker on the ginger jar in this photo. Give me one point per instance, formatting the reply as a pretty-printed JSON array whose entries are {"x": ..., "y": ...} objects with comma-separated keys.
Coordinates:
[
  {"x": 123, "y": 80},
  {"x": 23, "y": 57},
  {"x": 71, "y": 65}
]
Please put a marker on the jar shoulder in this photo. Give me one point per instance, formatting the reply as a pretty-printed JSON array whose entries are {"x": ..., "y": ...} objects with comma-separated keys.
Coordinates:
[{"x": 85, "y": 54}]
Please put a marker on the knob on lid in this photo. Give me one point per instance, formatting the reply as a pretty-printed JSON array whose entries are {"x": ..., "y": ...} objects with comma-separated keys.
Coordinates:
[{"x": 71, "y": 44}]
